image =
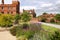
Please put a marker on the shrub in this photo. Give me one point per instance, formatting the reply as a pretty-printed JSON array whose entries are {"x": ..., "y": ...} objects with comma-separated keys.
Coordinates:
[
  {"x": 55, "y": 36},
  {"x": 27, "y": 30},
  {"x": 24, "y": 30},
  {"x": 13, "y": 30},
  {"x": 25, "y": 17},
  {"x": 6, "y": 20},
  {"x": 52, "y": 20},
  {"x": 17, "y": 18},
  {"x": 29, "y": 34},
  {"x": 42, "y": 35},
  {"x": 22, "y": 38},
  {"x": 57, "y": 17}
]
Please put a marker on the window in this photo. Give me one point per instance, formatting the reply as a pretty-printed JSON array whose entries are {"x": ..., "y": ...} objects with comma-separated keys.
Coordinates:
[
  {"x": 9, "y": 8},
  {"x": 2, "y": 8},
  {"x": 2, "y": 12},
  {"x": 8, "y": 12}
]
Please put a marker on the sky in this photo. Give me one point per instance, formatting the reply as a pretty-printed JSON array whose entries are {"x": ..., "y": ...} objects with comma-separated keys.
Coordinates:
[{"x": 40, "y": 6}]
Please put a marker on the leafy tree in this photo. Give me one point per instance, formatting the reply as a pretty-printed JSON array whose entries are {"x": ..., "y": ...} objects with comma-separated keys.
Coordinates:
[
  {"x": 44, "y": 13},
  {"x": 25, "y": 17},
  {"x": 57, "y": 17}
]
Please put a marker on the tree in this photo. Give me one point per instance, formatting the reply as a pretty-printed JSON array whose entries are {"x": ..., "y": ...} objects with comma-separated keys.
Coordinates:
[
  {"x": 45, "y": 13},
  {"x": 25, "y": 17},
  {"x": 57, "y": 17}
]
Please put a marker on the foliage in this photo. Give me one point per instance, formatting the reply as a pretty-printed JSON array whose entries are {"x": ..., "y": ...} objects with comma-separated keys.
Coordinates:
[
  {"x": 22, "y": 38},
  {"x": 52, "y": 20},
  {"x": 13, "y": 30},
  {"x": 22, "y": 30},
  {"x": 6, "y": 20},
  {"x": 55, "y": 36},
  {"x": 27, "y": 30},
  {"x": 17, "y": 18},
  {"x": 42, "y": 35},
  {"x": 43, "y": 19},
  {"x": 54, "y": 33},
  {"x": 57, "y": 17},
  {"x": 46, "y": 33},
  {"x": 45, "y": 13},
  {"x": 25, "y": 17},
  {"x": 33, "y": 32}
]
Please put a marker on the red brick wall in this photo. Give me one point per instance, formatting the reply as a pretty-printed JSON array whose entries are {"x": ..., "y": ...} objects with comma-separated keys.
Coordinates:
[{"x": 10, "y": 8}]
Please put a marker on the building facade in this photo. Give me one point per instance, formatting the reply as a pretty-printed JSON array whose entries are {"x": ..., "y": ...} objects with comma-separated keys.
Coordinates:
[
  {"x": 31, "y": 12},
  {"x": 13, "y": 8}
]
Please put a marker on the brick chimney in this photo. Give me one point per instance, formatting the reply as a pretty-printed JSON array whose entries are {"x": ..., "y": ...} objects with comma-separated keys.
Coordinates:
[{"x": 2, "y": 1}]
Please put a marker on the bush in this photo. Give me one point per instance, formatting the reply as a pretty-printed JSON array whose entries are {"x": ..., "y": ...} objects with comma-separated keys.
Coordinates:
[
  {"x": 13, "y": 30},
  {"x": 6, "y": 20},
  {"x": 25, "y": 17},
  {"x": 24, "y": 30},
  {"x": 17, "y": 18},
  {"x": 52, "y": 20},
  {"x": 42, "y": 35},
  {"x": 27, "y": 30},
  {"x": 57, "y": 17},
  {"x": 25, "y": 26},
  {"x": 22, "y": 38},
  {"x": 55, "y": 36},
  {"x": 29, "y": 34}
]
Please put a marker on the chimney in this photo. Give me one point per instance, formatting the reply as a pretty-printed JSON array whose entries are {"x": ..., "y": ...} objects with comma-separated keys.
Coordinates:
[{"x": 2, "y": 1}]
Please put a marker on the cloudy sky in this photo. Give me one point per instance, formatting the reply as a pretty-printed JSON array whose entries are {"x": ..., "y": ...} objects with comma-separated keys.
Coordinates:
[{"x": 39, "y": 5}]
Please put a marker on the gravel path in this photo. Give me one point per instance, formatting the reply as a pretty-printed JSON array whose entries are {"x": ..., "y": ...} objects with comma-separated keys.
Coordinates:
[
  {"x": 53, "y": 25},
  {"x": 5, "y": 35}
]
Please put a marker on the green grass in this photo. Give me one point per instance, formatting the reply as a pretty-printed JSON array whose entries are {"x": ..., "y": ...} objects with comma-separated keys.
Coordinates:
[
  {"x": 49, "y": 28},
  {"x": 58, "y": 23}
]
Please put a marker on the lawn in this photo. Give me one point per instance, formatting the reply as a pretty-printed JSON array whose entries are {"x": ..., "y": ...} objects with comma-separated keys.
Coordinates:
[
  {"x": 58, "y": 23},
  {"x": 49, "y": 28}
]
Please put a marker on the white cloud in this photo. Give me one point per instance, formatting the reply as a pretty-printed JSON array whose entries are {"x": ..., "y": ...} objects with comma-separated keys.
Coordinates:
[
  {"x": 57, "y": 2},
  {"x": 46, "y": 4},
  {"x": 51, "y": 8},
  {"x": 8, "y": 2},
  {"x": 28, "y": 7},
  {"x": 0, "y": 2}
]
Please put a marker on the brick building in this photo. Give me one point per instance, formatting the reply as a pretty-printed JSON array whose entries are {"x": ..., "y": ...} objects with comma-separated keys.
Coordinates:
[
  {"x": 47, "y": 18},
  {"x": 10, "y": 8},
  {"x": 31, "y": 12}
]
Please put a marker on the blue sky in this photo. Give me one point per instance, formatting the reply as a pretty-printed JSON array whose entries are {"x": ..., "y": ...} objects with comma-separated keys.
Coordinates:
[{"x": 39, "y": 5}]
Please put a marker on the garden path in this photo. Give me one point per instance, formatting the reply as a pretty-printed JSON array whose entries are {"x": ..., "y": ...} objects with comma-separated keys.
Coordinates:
[{"x": 5, "y": 35}]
